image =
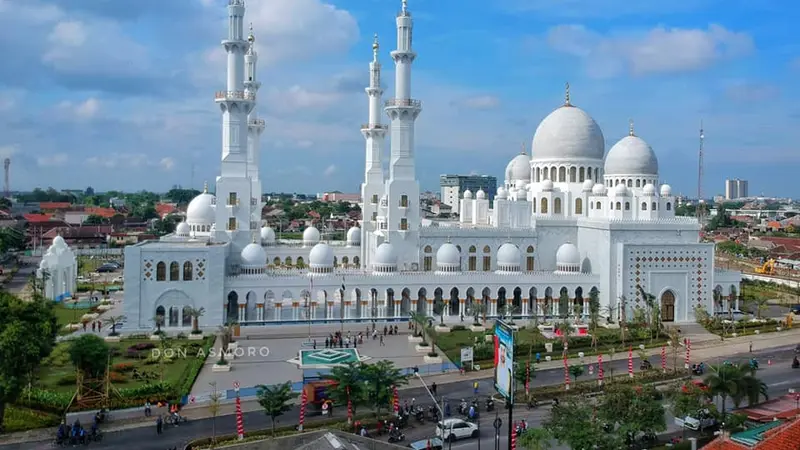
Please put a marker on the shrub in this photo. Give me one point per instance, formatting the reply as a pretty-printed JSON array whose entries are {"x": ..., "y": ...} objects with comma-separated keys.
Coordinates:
[
  {"x": 21, "y": 419},
  {"x": 181, "y": 335},
  {"x": 117, "y": 377},
  {"x": 141, "y": 346},
  {"x": 122, "y": 367},
  {"x": 66, "y": 380},
  {"x": 458, "y": 328}
]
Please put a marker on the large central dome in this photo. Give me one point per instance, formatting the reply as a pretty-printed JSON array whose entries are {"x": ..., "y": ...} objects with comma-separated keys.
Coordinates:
[{"x": 568, "y": 133}]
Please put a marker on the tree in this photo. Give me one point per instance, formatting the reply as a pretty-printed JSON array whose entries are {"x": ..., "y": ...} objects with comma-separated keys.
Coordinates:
[
  {"x": 226, "y": 337},
  {"x": 594, "y": 310},
  {"x": 521, "y": 372},
  {"x": 114, "y": 321},
  {"x": 688, "y": 400},
  {"x": 195, "y": 314},
  {"x": 535, "y": 439},
  {"x": 379, "y": 379},
  {"x": 420, "y": 322},
  {"x": 27, "y": 335},
  {"x": 439, "y": 309},
  {"x": 477, "y": 311},
  {"x": 89, "y": 354},
  {"x": 735, "y": 381},
  {"x": 632, "y": 411},
  {"x": 214, "y": 404},
  {"x": 94, "y": 220},
  {"x": 563, "y": 304},
  {"x": 348, "y": 384},
  {"x": 158, "y": 319},
  {"x": 572, "y": 423},
  {"x": 674, "y": 341},
  {"x": 575, "y": 371},
  {"x": 275, "y": 400}
]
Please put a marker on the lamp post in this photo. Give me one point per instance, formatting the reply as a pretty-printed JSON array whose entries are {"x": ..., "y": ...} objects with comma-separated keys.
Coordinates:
[{"x": 440, "y": 408}]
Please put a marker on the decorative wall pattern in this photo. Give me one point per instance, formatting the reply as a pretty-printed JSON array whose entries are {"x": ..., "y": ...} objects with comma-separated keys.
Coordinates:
[
  {"x": 641, "y": 261},
  {"x": 200, "y": 269},
  {"x": 149, "y": 269}
]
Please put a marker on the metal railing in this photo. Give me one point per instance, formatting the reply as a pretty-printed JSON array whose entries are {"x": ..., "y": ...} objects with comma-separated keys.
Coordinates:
[
  {"x": 373, "y": 126},
  {"x": 404, "y": 102},
  {"x": 257, "y": 122},
  {"x": 235, "y": 95}
]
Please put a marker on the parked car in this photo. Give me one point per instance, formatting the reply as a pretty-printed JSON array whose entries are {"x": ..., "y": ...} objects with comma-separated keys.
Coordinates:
[
  {"x": 796, "y": 309},
  {"x": 453, "y": 429},
  {"x": 427, "y": 444},
  {"x": 118, "y": 280},
  {"x": 730, "y": 315},
  {"x": 106, "y": 268},
  {"x": 82, "y": 279},
  {"x": 700, "y": 420}
]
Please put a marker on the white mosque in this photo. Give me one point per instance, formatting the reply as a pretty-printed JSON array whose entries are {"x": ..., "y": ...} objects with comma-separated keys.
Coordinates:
[{"x": 569, "y": 221}]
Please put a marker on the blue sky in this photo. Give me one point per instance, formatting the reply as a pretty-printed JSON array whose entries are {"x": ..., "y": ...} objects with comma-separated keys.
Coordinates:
[{"x": 119, "y": 94}]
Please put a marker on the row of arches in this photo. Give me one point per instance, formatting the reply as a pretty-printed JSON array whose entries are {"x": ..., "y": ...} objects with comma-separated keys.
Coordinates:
[
  {"x": 631, "y": 182},
  {"x": 178, "y": 316},
  {"x": 175, "y": 271},
  {"x": 565, "y": 174},
  {"x": 472, "y": 258},
  {"x": 300, "y": 262}
]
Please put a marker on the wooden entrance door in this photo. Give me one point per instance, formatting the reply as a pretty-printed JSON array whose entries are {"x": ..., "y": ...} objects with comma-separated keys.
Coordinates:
[{"x": 668, "y": 306}]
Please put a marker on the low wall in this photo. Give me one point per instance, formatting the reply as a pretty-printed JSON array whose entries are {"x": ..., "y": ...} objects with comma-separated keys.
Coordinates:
[{"x": 301, "y": 439}]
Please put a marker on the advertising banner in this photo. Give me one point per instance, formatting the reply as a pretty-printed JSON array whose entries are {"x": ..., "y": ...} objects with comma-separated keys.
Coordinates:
[{"x": 504, "y": 360}]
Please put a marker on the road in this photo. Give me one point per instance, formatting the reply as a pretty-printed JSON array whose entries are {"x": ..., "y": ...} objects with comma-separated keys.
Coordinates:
[{"x": 779, "y": 377}]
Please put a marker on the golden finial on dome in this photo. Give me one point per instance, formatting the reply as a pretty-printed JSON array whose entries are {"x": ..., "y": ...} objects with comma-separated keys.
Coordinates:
[
  {"x": 566, "y": 95},
  {"x": 522, "y": 149},
  {"x": 375, "y": 44},
  {"x": 252, "y": 37},
  {"x": 630, "y": 128},
  {"x": 254, "y": 238},
  {"x": 205, "y": 187}
]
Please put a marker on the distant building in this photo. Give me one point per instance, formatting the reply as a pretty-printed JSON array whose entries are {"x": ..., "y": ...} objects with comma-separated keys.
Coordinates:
[
  {"x": 116, "y": 202},
  {"x": 340, "y": 197},
  {"x": 736, "y": 188},
  {"x": 454, "y": 186}
]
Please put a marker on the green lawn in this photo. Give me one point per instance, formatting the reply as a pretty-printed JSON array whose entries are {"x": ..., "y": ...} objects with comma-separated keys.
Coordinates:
[
  {"x": 57, "y": 373},
  {"x": 66, "y": 315}
]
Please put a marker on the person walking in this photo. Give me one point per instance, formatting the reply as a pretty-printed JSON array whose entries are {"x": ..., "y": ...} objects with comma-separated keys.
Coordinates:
[
  {"x": 159, "y": 424},
  {"x": 475, "y": 388},
  {"x": 433, "y": 388},
  {"x": 381, "y": 342},
  {"x": 147, "y": 408},
  {"x": 751, "y": 346}
]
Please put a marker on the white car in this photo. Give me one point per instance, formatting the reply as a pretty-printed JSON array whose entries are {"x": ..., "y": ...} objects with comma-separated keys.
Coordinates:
[
  {"x": 452, "y": 429},
  {"x": 117, "y": 280}
]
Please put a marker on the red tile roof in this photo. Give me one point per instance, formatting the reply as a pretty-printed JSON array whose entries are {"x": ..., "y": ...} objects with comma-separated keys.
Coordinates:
[
  {"x": 783, "y": 437},
  {"x": 105, "y": 213},
  {"x": 791, "y": 244},
  {"x": 54, "y": 205},
  {"x": 36, "y": 218},
  {"x": 783, "y": 407},
  {"x": 165, "y": 208}
]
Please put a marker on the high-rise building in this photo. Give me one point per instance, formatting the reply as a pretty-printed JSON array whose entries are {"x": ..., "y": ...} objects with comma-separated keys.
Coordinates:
[
  {"x": 735, "y": 188},
  {"x": 454, "y": 186}
]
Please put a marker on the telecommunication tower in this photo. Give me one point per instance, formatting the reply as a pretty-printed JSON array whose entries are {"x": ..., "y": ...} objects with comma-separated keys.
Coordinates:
[
  {"x": 700, "y": 210},
  {"x": 6, "y": 183}
]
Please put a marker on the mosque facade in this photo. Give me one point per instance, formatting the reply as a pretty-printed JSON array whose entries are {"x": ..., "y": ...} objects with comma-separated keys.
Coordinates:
[{"x": 570, "y": 222}]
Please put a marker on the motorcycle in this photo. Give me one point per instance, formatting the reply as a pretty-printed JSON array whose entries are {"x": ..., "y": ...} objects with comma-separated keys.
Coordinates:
[
  {"x": 396, "y": 436},
  {"x": 754, "y": 364},
  {"x": 645, "y": 365},
  {"x": 698, "y": 369},
  {"x": 489, "y": 404},
  {"x": 419, "y": 414},
  {"x": 463, "y": 408},
  {"x": 795, "y": 363},
  {"x": 532, "y": 403}
]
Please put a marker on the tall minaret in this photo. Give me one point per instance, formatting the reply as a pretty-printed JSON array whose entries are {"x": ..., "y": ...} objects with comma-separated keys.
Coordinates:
[
  {"x": 374, "y": 133},
  {"x": 402, "y": 188},
  {"x": 233, "y": 195},
  {"x": 255, "y": 127}
]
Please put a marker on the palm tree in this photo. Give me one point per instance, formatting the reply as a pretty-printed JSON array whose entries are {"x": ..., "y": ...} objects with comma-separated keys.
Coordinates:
[
  {"x": 275, "y": 400},
  {"x": 420, "y": 322},
  {"x": 158, "y": 319},
  {"x": 750, "y": 388},
  {"x": 439, "y": 309},
  {"x": 195, "y": 314},
  {"x": 735, "y": 381},
  {"x": 226, "y": 337},
  {"x": 477, "y": 310},
  {"x": 674, "y": 341},
  {"x": 114, "y": 321}
]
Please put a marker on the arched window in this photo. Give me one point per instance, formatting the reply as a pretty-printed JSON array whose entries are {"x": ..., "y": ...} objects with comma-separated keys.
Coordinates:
[
  {"x": 161, "y": 272},
  {"x": 345, "y": 260},
  {"x": 638, "y": 183},
  {"x": 356, "y": 261},
  {"x": 276, "y": 261},
  {"x": 543, "y": 207},
  {"x": 472, "y": 263},
  {"x": 335, "y": 261},
  {"x": 187, "y": 271},
  {"x": 161, "y": 312},
  {"x": 578, "y": 206},
  {"x": 627, "y": 206},
  {"x": 530, "y": 249},
  {"x": 669, "y": 206},
  {"x": 562, "y": 174},
  {"x": 487, "y": 249},
  {"x": 557, "y": 205},
  {"x": 581, "y": 174},
  {"x": 428, "y": 249},
  {"x": 533, "y": 205},
  {"x": 529, "y": 263},
  {"x": 427, "y": 263},
  {"x": 644, "y": 206},
  {"x": 186, "y": 318},
  {"x": 598, "y": 206},
  {"x": 174, "y": 271},
  {"x": 654, "y": 206},
  {"x": 404, "y": 201},
  {"x": 630, "y": 183},
  {"x": 173, "y": 316},
  {"x": 553, "y": 174},
  {"x": 300, "y": 264},
  {"x": 589, "y": 173},
  {"x": 616, "y": 182},
  {"x": 573, "y": 173},
  {"x": 472, "y": 249},
  {"x": 619, "y": 205}
]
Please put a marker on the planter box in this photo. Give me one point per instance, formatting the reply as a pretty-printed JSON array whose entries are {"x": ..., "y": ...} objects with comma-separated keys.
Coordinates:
[
  {"x": 196, "y": 337},
  {"x": 233, "y": 345},
  {"x": 414, "y": 339},
  {"x": 111, "y": 338},
  {"x": 221, "y": 368},
  {"x": 230, "y": 355},
  {"x": 155, "y": 337},
  {"x": 433, "y": 359},
  {"x": 442, "y": 329},
  {"x": 477, "y": 328},
  {"x": 422, "y": 349}
]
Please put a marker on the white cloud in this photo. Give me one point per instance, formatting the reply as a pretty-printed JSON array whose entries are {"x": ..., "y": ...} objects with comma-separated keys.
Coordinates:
[
  {"x": 297, "y": 97},
  {"x": 480, "y": 102},
  {"x": 70, "y": 33},
  {"x": 83, "y": 110},
  {"x": 54, "y": 160},
  {"x": 330, "y": 170},
  {"x": 114, "y": 160},
  {"x": 167, "y": 163},
  {"x": 602, "y": 8},
  {"x": 660, "y": 50},
  {"x": 7, "y": 151}
]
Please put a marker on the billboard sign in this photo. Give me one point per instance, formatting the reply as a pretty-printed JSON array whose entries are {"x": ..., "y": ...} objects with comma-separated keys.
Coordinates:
[
  {"x": 466, "y": 354},
  {"x": 504, "y": 360}
]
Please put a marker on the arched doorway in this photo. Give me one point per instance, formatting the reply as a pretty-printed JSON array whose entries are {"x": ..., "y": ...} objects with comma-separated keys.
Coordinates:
[{"x": 668, "y": 306}]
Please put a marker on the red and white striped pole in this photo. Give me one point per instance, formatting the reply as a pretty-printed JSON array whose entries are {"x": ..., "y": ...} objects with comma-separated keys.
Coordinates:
[
  {"x": 349, "y": 407},
  {"x": 514, "y": 437},
  {"x": 303, "y": 402},
  {"x": 600, "y": 369},
  {"x": 688, "y": 351},
  {"x": 566, "y": 373},
  {"x": 239, "y": 417},
  {"x": 664, "y": 358},
  {"x": 630, "y": 362},
  {"x": 396, "y": 400}
]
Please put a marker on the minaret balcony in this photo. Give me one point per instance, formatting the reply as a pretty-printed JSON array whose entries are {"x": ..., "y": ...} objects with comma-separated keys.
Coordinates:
[
  {"x": 373, "y": 126},
  {"x": 259, "y": 123},
  {"x": 403, "y": 103},
  {"x": 234, "y": 95}
]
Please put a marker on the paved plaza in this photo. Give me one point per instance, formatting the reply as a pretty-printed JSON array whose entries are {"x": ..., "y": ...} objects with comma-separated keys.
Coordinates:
[{"x": 264, "y": 355}]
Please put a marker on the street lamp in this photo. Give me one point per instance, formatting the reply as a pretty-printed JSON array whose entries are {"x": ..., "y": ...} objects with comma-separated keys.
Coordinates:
[{"x": 440, "y": 408}]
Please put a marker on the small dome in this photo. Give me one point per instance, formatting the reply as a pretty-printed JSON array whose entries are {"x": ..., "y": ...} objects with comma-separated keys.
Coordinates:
[
  {"x": 620, "y": 190},
  {"x": 547, "y": 185},
  {"x": 354, "y": 236},
  {"x": 267, "y": 235},
  {"x": 599, "y": 189},
  {"x": 502, "y": 194},
  {"x": 448, "y": 257},
  {"x": 253, "y": 256},
  {"x": 631, "y": 156},
  {"x": 480, "y": 195},
  {"x": 59, "y": 241},
  {"x": 649, "y": 189},
  {"x": 588, "y": 185},
  {"x": 310, "y": 236},
  {"x": 568, "y": 133},
  {"x": 201, "y": 210},
  {"x": 519, "y": 169},
  {"x": 182, "y": 229},
  {"x": 385, "y": 258},
  {"x": 467, "y": 194},
  {"x": 568, "y": 258},
  {"x": 666, "y": 190},
  {"x": 508, "y": 257},
  {"x": 320, "y": 258}
]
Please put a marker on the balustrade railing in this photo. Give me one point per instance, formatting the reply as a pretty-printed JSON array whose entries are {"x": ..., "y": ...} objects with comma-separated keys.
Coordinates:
[
  {"x": 257, "y": 122},
  {"x": 235, "y": 95},
  {"x": 404, "y": 102},
  {"x": 375, "y": 126}
]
